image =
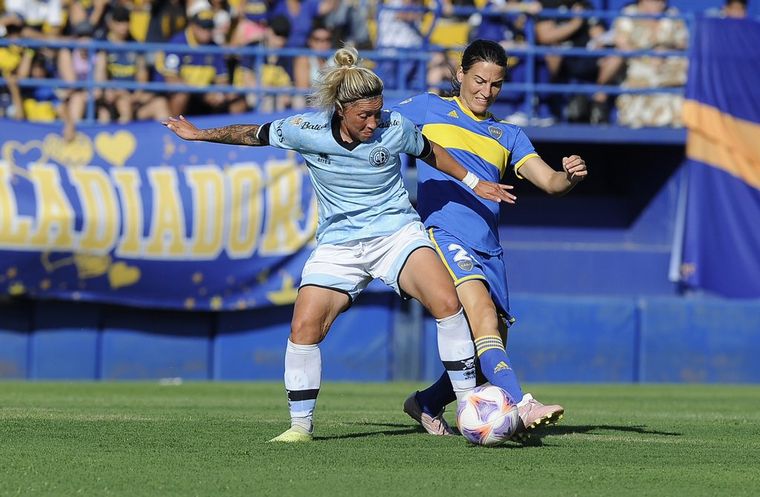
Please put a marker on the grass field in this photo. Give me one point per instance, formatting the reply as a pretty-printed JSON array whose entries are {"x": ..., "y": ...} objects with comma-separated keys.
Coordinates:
[{"x": 207, "y": 439}]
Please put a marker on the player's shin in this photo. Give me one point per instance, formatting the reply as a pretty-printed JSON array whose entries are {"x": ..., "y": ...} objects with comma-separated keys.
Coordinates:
[
  {"x": 457, "y": 352},
  {"x": 303, "y": 374},
  {"x": 496, "y": 366}
]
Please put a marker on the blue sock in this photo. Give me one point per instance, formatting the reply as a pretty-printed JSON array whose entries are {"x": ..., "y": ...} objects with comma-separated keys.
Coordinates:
[
  {"x": 496, "y": 366},
  {"x": 437, "y": 396}
]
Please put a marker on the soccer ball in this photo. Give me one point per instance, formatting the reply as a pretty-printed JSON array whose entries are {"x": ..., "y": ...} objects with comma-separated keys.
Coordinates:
[{"x": 486, "y": 416}]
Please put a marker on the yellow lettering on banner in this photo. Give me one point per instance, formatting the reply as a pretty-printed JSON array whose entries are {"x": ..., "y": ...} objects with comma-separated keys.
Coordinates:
[
  {"x": 246, "y": 192},
  {"x": 14, "y": 229},
  {"x": 128, "y": 182},
  {"x": 284, "y": 193},
  {"x": 207, "y": 184},
  {"x": 167, "y": 221},
  {"x": 99, "y": 210},
  {"x": 55, "y": 217}
]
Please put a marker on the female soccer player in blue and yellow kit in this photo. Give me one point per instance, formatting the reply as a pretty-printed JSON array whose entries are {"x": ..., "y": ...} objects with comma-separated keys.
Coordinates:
[{"x": 464, "y": 228}]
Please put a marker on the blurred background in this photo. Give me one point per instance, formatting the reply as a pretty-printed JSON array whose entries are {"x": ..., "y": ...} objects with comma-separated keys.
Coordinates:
[{"x": 126, "y": 253}]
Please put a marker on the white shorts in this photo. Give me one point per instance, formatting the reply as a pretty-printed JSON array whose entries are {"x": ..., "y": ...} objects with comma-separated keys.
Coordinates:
[{"x": 350, "y": 267}]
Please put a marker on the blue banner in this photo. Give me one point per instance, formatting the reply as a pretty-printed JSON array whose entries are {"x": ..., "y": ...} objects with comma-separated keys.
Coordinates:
[
  {"x": 134, "y": 215},
  {"x": 721, "y": 250}
]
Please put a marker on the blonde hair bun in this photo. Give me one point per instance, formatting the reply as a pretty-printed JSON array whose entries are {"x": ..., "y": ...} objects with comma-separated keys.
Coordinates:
[{"x": 346, "y": 57}]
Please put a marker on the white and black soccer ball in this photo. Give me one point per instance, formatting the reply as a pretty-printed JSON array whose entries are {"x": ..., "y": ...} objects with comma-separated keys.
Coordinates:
[{"x": 487, "y": 416}]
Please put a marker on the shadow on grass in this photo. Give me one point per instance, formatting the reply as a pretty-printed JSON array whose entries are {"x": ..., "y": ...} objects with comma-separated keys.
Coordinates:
[
  {"x": 569, "y": 430},
  {"x": 399, "y": 429}
]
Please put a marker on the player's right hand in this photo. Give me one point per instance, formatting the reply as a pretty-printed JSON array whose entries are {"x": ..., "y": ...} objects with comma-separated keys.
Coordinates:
[
  {"x": 182, "y": 128},
  {"x": 496, "y": 192}
]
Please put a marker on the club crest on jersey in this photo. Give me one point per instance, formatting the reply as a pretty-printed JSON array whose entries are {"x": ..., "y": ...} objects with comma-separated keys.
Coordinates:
[
  {"x": 465, "y": 265},
  {"x": 495, "y": 132},
  {"x": 379, "y": 156}
]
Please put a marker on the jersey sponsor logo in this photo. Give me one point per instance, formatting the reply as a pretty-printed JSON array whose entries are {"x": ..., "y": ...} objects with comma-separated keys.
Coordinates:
[
  {"x": 454, "y": 114},
  {"x": 315, "y": 127},
  {"x": 324, "y": 159},
  {"x": 388, "y": 123},
  {"x": 296, "y": 121},
  {"x": 495, "y": 132},
  {"x": 379, "y": 156}
]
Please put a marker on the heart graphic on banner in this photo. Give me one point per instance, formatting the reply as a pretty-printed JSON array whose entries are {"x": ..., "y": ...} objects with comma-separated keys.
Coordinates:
[
  {"x": 120, "y": 275},
  {"x": 75, "y": 153},
  {"x": 116, "y": 148}
]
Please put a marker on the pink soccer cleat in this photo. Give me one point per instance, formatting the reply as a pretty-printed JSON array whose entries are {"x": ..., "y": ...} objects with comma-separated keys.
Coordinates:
[{"x": 435, "y": 425}]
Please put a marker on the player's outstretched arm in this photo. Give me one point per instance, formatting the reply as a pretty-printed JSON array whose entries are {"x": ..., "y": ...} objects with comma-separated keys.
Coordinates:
[
  {"x": 442, "y": 160},
  {"x": 553, "y": 182},
  {"x": 236, "y": 134}
]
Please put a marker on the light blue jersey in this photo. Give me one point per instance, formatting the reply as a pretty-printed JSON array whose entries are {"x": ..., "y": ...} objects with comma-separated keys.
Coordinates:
[{"x": 359, "y": 187}]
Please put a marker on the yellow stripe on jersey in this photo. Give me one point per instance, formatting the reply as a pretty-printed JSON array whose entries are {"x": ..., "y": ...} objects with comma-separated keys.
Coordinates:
[
  {"x": 440, "y": 254},
  {"x": 485, "y": 147}
]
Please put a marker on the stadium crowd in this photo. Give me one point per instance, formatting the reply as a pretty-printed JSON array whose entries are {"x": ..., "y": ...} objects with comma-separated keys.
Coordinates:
[{"x": 390, "y": 28}]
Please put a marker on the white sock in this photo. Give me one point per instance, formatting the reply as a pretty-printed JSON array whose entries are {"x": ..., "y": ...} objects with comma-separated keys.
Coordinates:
[
  {"x": 303, "y": 375},
  {"x": 457, "y": 352}
]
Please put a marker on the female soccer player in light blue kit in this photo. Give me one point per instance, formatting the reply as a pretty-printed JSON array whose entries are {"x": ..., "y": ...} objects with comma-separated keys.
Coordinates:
[
  {"x": 464, "y": 228},
  {"x": 367, "y": 227}
]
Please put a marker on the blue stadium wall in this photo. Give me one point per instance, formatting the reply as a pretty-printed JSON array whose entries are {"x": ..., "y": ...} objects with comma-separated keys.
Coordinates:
[{"x": 590, "y": 286}]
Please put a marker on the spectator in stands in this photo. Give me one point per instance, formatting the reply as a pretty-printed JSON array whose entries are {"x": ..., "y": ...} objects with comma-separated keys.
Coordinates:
[
  {"x": 651, "y": 71},
  {"x": 88, "y": 12},
  {"x": 167, "y": 19},
  {"x": 76, "y": 65},
  {"x": 222, "y": 21},
  {"x": 38, "y": 19},
  {"x": 124, "y": 105},
  {"x": 578, "y": 32},
  {"x": 10, "y": 60},
  {"x": 250, "y": 24},
  {"x": 398, "y": 32},
  {"x": 306, "y": 67},
  {"x": 504, "y": 22},
  {"x": 349, "y": 23},
  {"x": 300, "y": 14},
  {"x": 273, "y": 71},
  {"x": 736, "y": 9},
  {"x": 197, "y": 69},
  {"x": 39, "y": 104}
]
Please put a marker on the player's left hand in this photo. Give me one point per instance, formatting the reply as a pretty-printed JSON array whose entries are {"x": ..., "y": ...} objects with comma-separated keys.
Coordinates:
[
  {"x": 496, "y": 192},
  {"x": 182, "y": 128},
  {"x": 575, "y": 168}
]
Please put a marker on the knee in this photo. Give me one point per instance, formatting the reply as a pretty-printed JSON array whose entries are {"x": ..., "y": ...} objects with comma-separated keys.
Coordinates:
[
  {"x": 305, "y": 331},
  {"x": 446, "y": 305}
]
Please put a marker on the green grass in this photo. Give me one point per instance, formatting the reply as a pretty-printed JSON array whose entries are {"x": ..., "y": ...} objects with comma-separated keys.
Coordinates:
[{"x": 207, "y": 439}]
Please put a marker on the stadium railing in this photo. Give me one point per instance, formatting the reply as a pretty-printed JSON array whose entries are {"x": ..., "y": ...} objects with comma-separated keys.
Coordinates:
[{"x": 531, "y": 52}]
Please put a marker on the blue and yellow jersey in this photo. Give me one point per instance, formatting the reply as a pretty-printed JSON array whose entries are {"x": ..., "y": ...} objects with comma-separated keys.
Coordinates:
[
  {"x": 122, "y": 66},
  {"x": 195, "y": 69},
  {"x": 487, "y": 147}
]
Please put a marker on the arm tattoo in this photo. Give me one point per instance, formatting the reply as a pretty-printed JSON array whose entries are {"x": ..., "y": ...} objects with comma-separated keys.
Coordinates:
[{"x": 236, "y": 134}]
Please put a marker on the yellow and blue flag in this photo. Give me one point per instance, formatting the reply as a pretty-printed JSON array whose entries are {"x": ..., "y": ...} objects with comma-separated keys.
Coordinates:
[{"x": 721, "y": 252}]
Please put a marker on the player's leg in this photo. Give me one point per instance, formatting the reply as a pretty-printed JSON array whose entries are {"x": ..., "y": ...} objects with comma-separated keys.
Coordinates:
[
  {"x": 315, "y": 310},
  {"x": 406, "y": 262},
  {"x": 484, "y": 323},
  {"x": 533, "y": 413},
  {"x": 425, "y": 279},
  {"x": 331, "y": 279}
]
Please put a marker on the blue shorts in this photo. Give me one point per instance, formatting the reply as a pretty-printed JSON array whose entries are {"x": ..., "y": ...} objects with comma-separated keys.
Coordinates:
[{"x": 465, "y": 264}]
